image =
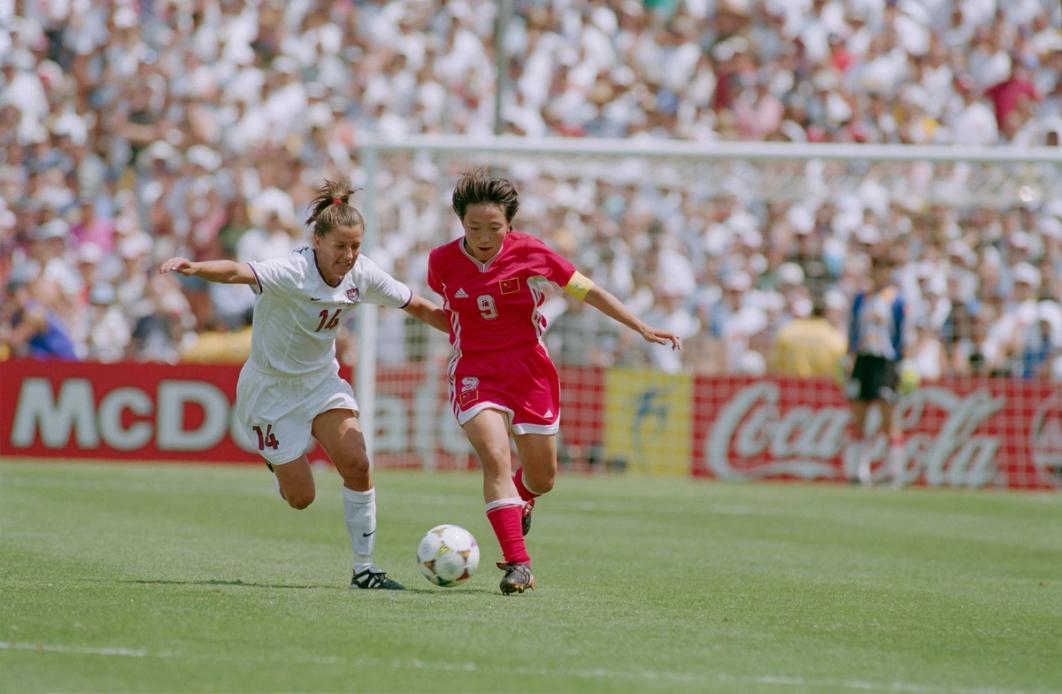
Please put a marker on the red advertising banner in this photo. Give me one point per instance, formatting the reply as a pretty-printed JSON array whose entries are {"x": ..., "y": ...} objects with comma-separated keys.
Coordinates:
[
  {"x": 128, "y": 411},
  {"x": 958, "y": 433}
]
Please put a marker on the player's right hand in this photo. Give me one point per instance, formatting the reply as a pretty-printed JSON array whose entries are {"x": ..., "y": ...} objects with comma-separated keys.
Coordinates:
[
  {"x": 179, "y": 265},
  {"x": 662, "y": 337}
]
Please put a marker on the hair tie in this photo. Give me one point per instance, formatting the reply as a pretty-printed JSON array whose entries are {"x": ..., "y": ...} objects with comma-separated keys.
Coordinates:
[{"x": 337, "y": 201}]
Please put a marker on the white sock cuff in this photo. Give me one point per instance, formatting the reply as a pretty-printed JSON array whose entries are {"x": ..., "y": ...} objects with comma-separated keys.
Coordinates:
[
  {"x": 357, "y": 497},
  {"x": 502, "y": 503}
]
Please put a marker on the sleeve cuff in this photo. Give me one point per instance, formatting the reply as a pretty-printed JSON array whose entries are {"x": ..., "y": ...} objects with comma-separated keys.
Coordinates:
[{"x": 258, "y": 282}]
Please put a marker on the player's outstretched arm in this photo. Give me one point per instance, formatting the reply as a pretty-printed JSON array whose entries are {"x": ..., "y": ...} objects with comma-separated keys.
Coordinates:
[
  {"x": 223, "y": 271},
  {"x": 612, "y": 307},
  {"x": 423, "y": 309}
]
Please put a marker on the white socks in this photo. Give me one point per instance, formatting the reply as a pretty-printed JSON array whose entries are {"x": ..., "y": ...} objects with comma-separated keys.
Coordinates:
[
  {"x": 896, "y": 463},
  {"x": 862, "y": 447},
  {"x": 359, "y": 510}
]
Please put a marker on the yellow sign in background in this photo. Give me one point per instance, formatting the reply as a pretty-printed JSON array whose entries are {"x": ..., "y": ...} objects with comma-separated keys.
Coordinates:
[{"x": 648, "y": 420}]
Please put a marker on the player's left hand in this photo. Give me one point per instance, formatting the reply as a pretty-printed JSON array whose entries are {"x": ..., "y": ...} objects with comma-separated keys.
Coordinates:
[{"x": 662, "y": 337}]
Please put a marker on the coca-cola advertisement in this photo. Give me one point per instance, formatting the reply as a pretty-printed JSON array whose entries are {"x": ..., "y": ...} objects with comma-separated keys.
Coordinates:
[{"x": 957, "y": 433}]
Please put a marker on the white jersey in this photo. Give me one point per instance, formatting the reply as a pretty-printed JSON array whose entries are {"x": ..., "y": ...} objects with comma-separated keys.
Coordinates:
[{"x": 296, "y": 313}]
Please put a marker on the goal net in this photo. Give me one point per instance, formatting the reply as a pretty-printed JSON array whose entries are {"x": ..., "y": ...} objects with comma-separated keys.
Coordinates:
[{"x": 725, "y": 243}]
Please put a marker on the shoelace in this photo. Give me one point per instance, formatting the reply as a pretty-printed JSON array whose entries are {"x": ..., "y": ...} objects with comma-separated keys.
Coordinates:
[
  {"x": 519, "y": 572},
  {"x": 371, "y": 578}
]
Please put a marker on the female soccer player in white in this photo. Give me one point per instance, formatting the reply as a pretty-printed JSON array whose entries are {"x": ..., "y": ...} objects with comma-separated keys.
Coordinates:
[{"x": 290, "y": 388}]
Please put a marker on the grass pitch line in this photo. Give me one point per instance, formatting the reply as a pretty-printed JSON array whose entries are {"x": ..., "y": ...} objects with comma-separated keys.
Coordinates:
[
  {"x": 595, "y": 673},
  {"x": 144, "y": 653},
  {"x": 691, "y": 678},
  {"x": 84, "y": 650}
]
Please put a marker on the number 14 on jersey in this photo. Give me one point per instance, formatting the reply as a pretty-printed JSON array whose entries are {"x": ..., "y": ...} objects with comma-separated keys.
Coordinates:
[{"x": 267, "y": 438}]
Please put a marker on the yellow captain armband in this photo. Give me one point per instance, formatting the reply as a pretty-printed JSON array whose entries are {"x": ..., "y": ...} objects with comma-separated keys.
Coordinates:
[{"x": 579, "y": 285}]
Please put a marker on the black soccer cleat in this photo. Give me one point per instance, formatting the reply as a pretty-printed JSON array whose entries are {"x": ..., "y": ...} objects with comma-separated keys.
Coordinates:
[
  {"x": 525, "y": 521},
  {"x": 374, "y": 578},
  {"x": 517, "y": 579}
]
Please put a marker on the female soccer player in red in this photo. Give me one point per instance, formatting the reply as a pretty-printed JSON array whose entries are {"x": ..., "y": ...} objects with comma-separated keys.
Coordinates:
[{"x": 501, "y": 378}]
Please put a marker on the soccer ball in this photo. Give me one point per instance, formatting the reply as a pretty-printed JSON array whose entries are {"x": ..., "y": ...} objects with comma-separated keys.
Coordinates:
[
  {"x": 448, "y": 555},
  {"x": 909, "y": 378}
]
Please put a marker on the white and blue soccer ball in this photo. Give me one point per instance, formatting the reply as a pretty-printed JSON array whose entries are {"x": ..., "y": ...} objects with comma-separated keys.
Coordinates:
[{"x": 448, "y": 555}]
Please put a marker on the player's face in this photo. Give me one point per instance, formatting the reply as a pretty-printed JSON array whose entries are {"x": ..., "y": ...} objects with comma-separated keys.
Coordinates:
[
  {"x": 337, "y": 250},
  {"x": 485, "y": 229}
]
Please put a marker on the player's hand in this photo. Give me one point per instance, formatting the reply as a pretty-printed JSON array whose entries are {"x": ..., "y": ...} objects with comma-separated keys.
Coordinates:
[
  {"x": 179, "y": 265},
  {"x": 662, "y": 337}
]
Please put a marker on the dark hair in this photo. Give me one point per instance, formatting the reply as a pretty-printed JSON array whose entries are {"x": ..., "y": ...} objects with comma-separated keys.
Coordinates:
[
  {"x": 331, "y": 208},
  {"x": 882, "y": 262},
  {"x": 478, "y": 187}
]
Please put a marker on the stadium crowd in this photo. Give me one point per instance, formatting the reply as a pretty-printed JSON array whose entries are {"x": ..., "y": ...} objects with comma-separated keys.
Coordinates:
[{"x": 131, "y": 132}]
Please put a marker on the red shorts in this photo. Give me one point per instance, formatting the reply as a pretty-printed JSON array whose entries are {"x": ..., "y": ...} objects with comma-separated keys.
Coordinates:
[{"x": 524, "y": 385}]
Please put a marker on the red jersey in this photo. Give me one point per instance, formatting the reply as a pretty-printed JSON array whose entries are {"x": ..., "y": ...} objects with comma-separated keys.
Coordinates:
[{"x": 494, "y": 306}]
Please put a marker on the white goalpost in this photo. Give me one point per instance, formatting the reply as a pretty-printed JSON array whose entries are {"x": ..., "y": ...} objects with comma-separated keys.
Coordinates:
[{"x": 406, "y": 187}]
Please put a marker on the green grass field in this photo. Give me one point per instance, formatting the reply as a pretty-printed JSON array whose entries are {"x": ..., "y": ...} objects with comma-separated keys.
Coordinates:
[{"x": 198, "y": 578}]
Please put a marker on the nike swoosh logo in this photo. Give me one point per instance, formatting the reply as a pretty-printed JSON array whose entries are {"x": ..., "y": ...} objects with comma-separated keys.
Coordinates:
[
  {"x": 367, "y": 534},
  {"x": 314, "y": 298}
]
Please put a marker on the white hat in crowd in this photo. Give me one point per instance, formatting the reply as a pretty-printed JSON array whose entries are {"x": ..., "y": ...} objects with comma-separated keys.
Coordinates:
[
  {"x": 737, "y": 281},
  {"x": 1025, "y": 273},
  {"x": 55, "y": 229},
  {"x": 790, "y": 274}
]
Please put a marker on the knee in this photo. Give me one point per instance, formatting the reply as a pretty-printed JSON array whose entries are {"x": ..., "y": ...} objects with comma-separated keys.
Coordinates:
[
  {"x": 495, "y": 460},
  {"x": 299, "y": 500},
  {"x": 540, "y": 482},
  {"x": 354, "y": 471}
]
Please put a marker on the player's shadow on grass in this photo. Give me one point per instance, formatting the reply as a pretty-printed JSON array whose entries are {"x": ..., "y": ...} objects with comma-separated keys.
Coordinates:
[
  {"x": 217, "y": 582},
  {"x": 249, "y": 584},
  {"x": 443, "y": 591}
]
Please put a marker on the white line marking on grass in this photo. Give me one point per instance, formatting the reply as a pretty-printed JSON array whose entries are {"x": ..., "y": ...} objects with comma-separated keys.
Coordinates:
[
  {"x": 687, "y": 678},
  {"x": 122, "y": 652},
  {"x": 84, "y": 650}
]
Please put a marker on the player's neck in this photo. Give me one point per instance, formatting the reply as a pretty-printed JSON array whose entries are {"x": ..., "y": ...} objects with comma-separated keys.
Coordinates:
[
  {"x": 330, "y": 281},
  {"x": 471, "y": 252}
]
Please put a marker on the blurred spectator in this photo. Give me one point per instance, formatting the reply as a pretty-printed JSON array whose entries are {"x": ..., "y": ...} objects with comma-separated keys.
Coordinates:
[
  {"x": 31, "y": 327},
  {"x": 140, "y": 131},
  {"x": 809, "y": 347},
  {"x": 1023, "y": 338},
  {"x": 108, "y": 329},
  {"x": 927, "y": 352}
]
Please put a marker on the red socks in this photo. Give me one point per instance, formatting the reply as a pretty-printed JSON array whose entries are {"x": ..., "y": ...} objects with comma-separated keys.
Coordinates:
[
  {"x": 506, "y": 517},
  {"x": 524, "y": 492}
]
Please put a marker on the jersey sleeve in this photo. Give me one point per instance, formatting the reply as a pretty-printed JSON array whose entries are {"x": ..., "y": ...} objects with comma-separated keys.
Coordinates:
[
  {"x": 433, "y": 273},
  {"x": 280, "y": 275},
  {"x": 546, "y": 262},
  {"x": 381, "y": 288}
]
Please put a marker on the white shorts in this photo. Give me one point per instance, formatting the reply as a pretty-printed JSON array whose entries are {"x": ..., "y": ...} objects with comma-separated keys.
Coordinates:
[{"x": 277, "y": 412}]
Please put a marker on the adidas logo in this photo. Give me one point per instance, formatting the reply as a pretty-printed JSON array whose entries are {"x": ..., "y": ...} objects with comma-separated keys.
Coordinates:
[
  {"x": 460, "y": 294},
  {"x": 549, "y": 413}
]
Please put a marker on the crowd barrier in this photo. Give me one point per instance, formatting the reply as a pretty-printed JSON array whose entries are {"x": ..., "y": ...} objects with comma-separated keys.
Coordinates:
[{"x": 958, "y": 432}]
